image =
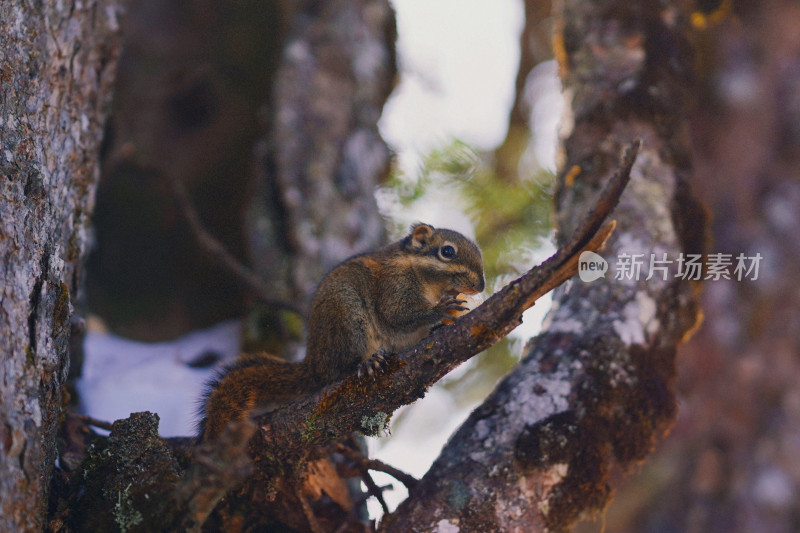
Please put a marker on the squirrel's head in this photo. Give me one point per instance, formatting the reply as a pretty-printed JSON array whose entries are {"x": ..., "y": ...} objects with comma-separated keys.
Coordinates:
[{"x": 446, "y": 257}]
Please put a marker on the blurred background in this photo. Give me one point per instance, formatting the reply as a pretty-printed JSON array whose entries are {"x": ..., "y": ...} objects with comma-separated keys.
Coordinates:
[{"x": 220, "y": 99}]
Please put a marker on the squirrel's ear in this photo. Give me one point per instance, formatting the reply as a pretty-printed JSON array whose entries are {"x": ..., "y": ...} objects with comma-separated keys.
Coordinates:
[{"x": 420, "y": 235}]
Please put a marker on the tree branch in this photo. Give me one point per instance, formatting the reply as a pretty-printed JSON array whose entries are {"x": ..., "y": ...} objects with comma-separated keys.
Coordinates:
[
  {"x": 366, "y": 463},
  {"x": 354, "y": 405},
  {"x": 89, "y": 421}
]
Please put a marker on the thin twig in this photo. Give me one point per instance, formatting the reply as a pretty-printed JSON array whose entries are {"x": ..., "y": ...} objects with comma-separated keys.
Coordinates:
[
  {"x": 89, "y": 421},
  {"x": 367, "y": 463},
  {"x": 374, "y": 490},
  {"x": 313, "y": 523},
  {"x": 379, "y": 466},
  {"x": 217, "y": 251}
]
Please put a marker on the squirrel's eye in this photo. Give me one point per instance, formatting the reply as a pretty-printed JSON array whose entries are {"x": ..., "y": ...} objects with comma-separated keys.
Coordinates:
[{"x": 447, "y": 252}]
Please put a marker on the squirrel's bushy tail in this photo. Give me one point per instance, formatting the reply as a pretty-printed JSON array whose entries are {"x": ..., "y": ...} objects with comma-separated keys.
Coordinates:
[{"x": 255, "y": 382}]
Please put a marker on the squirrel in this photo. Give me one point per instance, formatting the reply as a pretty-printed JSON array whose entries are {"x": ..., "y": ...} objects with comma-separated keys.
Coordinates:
[{"x": 368, "y": 307}]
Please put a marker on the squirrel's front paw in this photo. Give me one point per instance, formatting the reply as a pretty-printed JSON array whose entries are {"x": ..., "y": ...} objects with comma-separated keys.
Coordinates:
[
  {"x": 452, "y": 306},
  {"x": 375, "y": 364}
]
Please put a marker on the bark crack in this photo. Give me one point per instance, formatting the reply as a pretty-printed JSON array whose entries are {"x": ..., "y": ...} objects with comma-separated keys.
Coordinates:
[{"x": 35, "y": 300}]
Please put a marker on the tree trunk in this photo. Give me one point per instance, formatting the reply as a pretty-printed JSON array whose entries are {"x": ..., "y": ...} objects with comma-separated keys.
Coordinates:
[
  {"x": 731, "y": 462},
  {"x": 323, "y": 157},
  {"x": 596, "y": 386},
  {"x": 56, "y": 63}
]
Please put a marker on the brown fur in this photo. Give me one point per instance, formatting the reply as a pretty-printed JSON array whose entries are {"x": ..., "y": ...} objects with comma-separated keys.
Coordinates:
[{"x": 382, "y": 301}]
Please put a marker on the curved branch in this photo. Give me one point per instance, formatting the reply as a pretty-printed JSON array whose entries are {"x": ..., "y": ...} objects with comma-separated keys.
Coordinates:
[{"x": 289, "y": 433}]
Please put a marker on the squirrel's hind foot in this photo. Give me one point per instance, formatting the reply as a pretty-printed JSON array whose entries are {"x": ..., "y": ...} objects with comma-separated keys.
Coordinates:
[{"x": 374, "y": 365}]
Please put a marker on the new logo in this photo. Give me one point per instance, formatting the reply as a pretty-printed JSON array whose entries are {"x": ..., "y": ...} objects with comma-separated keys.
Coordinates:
[{"x": 591, "y": 267}]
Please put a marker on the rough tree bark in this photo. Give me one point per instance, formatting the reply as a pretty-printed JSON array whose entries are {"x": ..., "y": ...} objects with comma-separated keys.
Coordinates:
[
  {"x": 597, "y": 384},
  {"x": 57, "y": 62},
  {"x": 731, "y": 464}
]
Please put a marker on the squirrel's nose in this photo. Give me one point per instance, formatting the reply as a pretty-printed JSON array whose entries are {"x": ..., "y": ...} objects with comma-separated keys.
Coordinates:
[{"x": 481, "y": 284}]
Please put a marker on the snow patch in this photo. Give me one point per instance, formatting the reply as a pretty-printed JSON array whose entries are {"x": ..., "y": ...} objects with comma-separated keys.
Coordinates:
[{"x": 121, "y": 376}]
